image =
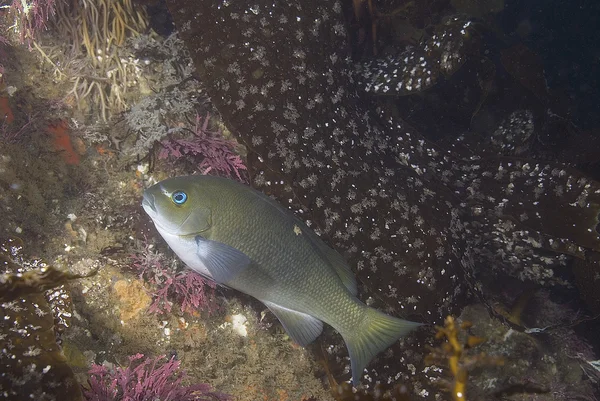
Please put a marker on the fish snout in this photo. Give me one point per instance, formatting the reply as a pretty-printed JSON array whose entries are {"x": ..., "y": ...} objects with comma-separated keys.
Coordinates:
[{"x": 148, "y": 203}]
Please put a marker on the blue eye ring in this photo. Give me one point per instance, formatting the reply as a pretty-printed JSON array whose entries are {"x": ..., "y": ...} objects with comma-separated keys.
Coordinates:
[{"x": 179, "y": 197}]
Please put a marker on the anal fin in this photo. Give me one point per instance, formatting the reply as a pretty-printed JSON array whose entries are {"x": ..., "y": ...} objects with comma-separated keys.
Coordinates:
[{"x": 302, "y": 328}]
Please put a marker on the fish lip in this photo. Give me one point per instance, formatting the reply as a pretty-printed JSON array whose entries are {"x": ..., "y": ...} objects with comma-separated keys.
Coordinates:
[{"x": 148, "y": 204}]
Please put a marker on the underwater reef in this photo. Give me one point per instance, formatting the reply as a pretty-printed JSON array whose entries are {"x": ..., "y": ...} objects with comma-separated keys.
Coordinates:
[
  {"x": 426, "y": 224},
  {"x": 36, "y": 308},
  {"x": 416, "y": 138}
]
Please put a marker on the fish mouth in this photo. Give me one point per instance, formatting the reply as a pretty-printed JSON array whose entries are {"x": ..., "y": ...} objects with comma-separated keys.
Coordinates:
[{"x": 148, "y": 204}]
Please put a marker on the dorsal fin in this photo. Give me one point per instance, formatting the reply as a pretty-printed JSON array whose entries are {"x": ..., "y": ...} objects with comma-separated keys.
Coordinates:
[
  {"x": 341, "y": 268},
  {"x": 337, "y": 261}
]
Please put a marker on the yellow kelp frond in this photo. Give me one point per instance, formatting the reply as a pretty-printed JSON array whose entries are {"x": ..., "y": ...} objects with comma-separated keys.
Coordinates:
[{"x": 455, "y": 353}]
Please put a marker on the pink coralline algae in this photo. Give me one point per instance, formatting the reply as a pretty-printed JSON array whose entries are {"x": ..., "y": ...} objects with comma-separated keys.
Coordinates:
[
  {"x": 146, "y": 380},
  {"x": 217, "y": 153},
  {"x": 32, "y": 17},
  {"x": 192, "y": 291},
  {"x": 189, "y": 288}
]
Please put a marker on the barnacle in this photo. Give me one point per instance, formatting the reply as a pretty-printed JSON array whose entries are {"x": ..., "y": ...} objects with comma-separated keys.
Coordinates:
[
  {"x": 418, "y": 68},
  {"x": 455, "y": 353}
]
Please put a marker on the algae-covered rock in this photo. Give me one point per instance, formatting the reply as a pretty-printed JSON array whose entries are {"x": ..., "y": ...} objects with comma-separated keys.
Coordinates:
[
  {"x": 17, "y": 284},
  {"x": 32, "y": 364}
]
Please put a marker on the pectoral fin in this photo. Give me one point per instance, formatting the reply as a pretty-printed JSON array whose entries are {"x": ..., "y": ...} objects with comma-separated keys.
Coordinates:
[
  {"x": 302, "y": 328},
  {"x": 222, "y": 261}
]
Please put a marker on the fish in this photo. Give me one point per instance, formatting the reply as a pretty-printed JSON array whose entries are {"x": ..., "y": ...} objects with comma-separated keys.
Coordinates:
[{"x": 240, "y": 238}]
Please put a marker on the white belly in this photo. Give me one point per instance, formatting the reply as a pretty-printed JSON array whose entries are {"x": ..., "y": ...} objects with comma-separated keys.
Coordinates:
[{"x": 185, "y": 248}]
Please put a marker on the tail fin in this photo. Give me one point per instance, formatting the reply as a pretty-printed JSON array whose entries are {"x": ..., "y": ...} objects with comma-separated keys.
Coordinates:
[{"x": 376, "y": 333}]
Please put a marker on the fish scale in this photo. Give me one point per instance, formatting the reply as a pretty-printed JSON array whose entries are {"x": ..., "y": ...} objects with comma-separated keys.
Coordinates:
[{"x": 266, "y": 253}]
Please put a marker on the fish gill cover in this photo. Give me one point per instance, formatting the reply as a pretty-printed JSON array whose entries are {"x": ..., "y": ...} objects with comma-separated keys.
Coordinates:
[{"x": 423, "y": 223}]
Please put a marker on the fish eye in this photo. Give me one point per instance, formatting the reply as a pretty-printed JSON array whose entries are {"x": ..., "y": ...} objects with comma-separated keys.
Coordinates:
[{"x": 179, "y": 197}]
